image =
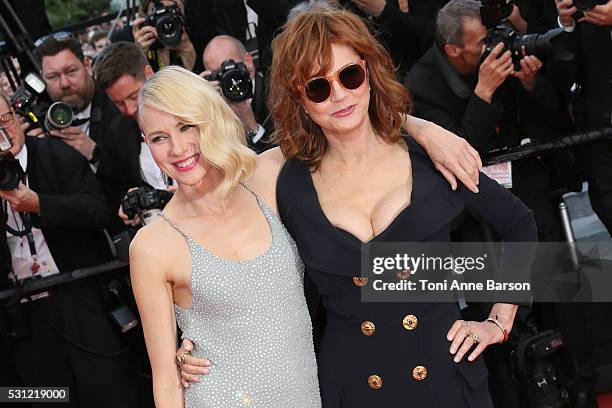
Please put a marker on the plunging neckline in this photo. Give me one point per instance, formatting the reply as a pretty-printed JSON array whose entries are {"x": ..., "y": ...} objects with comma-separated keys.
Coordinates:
[{"x": 338, "y": 230}]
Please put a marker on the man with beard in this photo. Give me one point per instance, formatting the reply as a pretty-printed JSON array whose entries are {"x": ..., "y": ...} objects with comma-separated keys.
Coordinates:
[{"x": 69, "y": 79}]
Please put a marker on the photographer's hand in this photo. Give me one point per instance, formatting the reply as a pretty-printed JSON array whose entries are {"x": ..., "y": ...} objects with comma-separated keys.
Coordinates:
[
  {"x": 27, "y": 129},
  {"x": 132, "y": 222},
  {"x": 566, "y": 11},
  {"x": 244, "y": 111},
  {"x": 517, "y": 20},
  {"x": 215, "y": 84},
  {"x": 22, "y": 199},
  {"x": 186, "y": 51},
  {"x": 76, "y": 138},
  {"x": 493, "y": 72},
  {"x": 144, "y": 36},
  {"x": 600, "y": 15},
  {"x": 530, "y": 65}
]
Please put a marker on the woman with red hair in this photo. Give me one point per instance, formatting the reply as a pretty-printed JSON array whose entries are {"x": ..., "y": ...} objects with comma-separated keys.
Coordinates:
[{"x": 350, "y": 178}]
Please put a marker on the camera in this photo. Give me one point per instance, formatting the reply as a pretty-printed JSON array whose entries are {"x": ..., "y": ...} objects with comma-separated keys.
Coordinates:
[
  {"x": 235, "y": 80},
  {"x": 146, "y": 201},
  {"x": 11, "y": 172},
  {"x": 494, "y": 15},
  {"x": 26, "y": 102},
  {"x": 169, "y": 23},
  {"x": 543, "y": 367},
  {"x": 586, "y": 5}
]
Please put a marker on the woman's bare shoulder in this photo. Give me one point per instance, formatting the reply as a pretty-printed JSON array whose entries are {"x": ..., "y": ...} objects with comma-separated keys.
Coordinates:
[
  {"x": 274, "y": 157},
  {"x": 153, "y": 243},
  {"x": 263, "y": 181}
]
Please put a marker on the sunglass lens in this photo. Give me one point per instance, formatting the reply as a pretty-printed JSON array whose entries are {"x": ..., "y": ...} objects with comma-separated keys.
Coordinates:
[
  {"x": 352, "y": 76},
  {"x": 318, "y": 90}
]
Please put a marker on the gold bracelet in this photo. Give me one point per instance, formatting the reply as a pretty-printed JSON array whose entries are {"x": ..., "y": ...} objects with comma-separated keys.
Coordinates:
[{"x": 496, "y": 322}]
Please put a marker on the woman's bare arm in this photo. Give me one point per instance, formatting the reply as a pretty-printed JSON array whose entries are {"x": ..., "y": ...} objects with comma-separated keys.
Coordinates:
[{"x": 154, "y": 298}]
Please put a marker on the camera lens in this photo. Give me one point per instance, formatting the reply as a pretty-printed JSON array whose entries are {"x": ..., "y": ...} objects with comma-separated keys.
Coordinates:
[
  {"x": 167, "y": 28},
  {"x": 59, "y": 116}
]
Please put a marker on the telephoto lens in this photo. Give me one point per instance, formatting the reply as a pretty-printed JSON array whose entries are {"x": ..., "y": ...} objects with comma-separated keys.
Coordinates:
[{"x": 59, "y": 116}]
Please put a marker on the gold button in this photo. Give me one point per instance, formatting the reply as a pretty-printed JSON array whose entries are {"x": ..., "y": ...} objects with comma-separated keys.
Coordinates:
[
  {"x": 359, "y": 281},
  {"x": 403, "y": 275},
  {"x": 419, "y": 373},
  {"x": 410, "y": 322},
  {"x": 368, "y": 328},
  {"x": 375, "y": 382}
]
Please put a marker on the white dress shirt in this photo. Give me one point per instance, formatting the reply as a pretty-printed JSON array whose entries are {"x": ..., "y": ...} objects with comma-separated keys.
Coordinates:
[
  {"x": 21, "y": 258},
  {"x": 148, "y": 168}
]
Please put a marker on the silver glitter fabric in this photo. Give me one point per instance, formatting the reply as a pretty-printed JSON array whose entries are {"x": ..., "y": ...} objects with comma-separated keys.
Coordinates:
[{"x": 250, "y": 319}]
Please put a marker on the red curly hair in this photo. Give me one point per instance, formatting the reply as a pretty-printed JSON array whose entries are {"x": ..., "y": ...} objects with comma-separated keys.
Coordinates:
[{"x": 305, "y": 44}]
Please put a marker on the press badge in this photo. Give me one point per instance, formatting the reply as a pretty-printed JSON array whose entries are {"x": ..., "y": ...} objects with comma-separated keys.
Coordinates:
[{"x": 500, "y": 172}]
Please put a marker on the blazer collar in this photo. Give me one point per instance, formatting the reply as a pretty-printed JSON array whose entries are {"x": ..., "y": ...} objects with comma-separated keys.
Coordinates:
[{"x": 452, "y": 78}]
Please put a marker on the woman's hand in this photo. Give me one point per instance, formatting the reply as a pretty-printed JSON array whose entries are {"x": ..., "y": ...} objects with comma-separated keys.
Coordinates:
[
  {"x": 465, "y": 334},
  {"x": 452, "y": 155},
  {"x": 191, "y": 367}
]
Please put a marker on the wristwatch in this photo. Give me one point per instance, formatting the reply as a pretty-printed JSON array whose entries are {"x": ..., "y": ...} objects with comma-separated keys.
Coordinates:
[{"x": 252, "y": 133}]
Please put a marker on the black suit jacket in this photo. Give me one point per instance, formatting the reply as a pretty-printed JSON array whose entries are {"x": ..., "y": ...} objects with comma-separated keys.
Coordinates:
[
  {"x": 73, "y": 209},
  {"x": 103, "y": 111},
  {"x": 262, "y": 114},
  {"x": 5, "y": 255},
  {"x": 443, "y": 97},
  {"x": 119, "y": 167}
]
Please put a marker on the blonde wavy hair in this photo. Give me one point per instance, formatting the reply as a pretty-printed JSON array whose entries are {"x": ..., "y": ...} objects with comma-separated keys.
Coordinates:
[{"x": 222, "y": 137}]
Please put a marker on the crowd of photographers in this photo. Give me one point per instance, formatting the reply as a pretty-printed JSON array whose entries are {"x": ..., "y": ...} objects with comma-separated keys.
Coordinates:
[{"x": 75, "y": 171}]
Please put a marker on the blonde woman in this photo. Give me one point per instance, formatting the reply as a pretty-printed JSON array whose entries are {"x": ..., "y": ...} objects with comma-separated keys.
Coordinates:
[{"x": 218, "y": 261}]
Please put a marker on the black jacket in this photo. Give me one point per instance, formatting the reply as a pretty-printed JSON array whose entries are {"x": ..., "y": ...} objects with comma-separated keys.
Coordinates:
[
  {"x": 73, "y": 209},
  {"x": 103, "y": 111},
  {"x": 119, "y": 167},
  {"x": 262, "y": 114},
  {"x": 442, "y": 96},
  {"x": 348, "y": 355}
]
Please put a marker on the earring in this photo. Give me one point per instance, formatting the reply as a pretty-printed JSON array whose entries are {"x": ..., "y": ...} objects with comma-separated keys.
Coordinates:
[{"x": 165, "y": 179}]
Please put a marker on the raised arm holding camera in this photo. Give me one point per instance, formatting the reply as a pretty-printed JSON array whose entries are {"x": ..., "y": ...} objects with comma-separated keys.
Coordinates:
[
  {"x": 162, "y": 35},
  {"x": 231, "y": 69},
  {"x": 68, "y": 79}
]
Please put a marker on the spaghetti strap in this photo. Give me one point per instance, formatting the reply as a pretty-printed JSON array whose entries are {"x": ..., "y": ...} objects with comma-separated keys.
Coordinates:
[
  {"x": 173, "y": 225},
  {"x": 252, "y": 192}
]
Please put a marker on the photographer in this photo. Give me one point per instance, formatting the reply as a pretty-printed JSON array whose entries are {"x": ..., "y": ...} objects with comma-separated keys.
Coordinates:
[
  {"x": 173, "y": 47},
  {"x": 490, "y": 103},
  {"x": 68, "y": 77},
  {"x": 126, "y": 163},
  {"x": 252, "y": 111},
  {"x": 590, "y": 76},
  {"x": 53, "y": 211}
]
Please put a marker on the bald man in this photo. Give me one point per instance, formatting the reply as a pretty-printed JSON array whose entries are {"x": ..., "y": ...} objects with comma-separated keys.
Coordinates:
[{"x": 252, "y": 112}]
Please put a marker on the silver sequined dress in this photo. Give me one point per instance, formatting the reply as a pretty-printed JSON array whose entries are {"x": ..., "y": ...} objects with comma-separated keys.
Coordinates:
[{"x": 250, "y": 319}]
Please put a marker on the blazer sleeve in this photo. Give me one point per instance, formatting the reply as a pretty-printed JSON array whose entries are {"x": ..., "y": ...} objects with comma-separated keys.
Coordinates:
[
  {"x": 513, "y": 222},
  {"x": 81, "y": 202}
]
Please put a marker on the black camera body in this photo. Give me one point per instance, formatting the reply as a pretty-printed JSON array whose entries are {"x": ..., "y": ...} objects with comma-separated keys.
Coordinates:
[
  {"x": 586, "y": 5},
  {"x": 11, "y": 172},
  {"x": 27, "y": 101},
  {"x": 169, "y": 23},
  {"x": 235, "y": 80},
  {"x": 146, "y": 201},
  {"x": 543, "y": 367},
  {"x": 494, "y": 15}
]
